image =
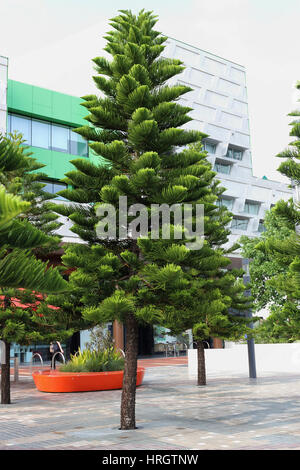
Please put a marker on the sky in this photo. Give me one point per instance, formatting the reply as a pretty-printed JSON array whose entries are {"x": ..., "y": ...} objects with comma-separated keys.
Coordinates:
[{"x": 51, "y": 43}]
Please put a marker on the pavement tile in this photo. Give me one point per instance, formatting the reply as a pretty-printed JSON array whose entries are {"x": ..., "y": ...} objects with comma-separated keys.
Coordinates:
[{"x": 172, "y": 413}]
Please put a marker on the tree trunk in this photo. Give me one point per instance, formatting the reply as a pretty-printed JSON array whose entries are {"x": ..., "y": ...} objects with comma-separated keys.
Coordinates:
[
  {"x": 5, "y": 377},
  {"x": 201, "y": 363},
  {"x": 129, "y": 379}
]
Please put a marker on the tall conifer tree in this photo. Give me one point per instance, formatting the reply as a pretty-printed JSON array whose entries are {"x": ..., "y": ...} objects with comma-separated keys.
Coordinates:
[{"x": 136, "y": 126}]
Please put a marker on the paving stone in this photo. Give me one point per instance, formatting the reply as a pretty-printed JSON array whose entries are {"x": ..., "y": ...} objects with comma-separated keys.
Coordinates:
[{"x": 172, "y": 413}]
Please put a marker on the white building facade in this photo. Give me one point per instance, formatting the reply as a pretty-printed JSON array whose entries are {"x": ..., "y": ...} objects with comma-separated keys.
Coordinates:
[
  {"x": 220, "y": 110},
  {"x": 3, "y": 94}
]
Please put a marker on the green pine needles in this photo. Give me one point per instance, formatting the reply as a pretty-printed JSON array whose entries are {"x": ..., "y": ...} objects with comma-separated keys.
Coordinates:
[
  {"x": 275, "y": 269},
  {"x": 137, "y": 125},
  {"x": 289, "y": 211},
  {"x": 20, "y": 240}
]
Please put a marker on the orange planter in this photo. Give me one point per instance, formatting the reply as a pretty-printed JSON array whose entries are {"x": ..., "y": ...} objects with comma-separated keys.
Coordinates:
[{"x": 57, "y": 382}]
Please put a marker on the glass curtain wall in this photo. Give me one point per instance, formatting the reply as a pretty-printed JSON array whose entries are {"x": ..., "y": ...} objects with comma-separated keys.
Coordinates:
[
  {"x": 47, "y": 135},
  {"x": 53, "y": 187}
]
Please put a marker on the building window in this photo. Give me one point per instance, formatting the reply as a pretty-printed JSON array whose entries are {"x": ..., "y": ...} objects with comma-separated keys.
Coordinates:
[
  {"x": 234, "y": 153},
  {"x": 21, "y": 125},
  {"x": 209, "y": 147},
  {"x": 239, "y": 224},
  {"x": 47, "y": 135},
  {"x": 261, "y": 227},
  {"x": 227, "y": 202},
  {"x": 41, "y": 134},
  {"x": 251, "y": 207},
  {"x": 60, "y": 138},
  {"x": 54, "y": 187},
  {"x": 222, "y": 168},
  {"x": 78, "y": 145},
  {"x": 8, "y": 122}
]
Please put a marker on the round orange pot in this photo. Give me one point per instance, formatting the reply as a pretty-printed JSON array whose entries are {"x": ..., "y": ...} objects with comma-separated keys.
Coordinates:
[{"x": 58, "y": 382}]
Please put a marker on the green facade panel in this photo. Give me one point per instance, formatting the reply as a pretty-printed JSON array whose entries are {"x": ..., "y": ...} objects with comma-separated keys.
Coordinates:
[
  {"x": 57, "y": 163},
  {"x": 45, "y": 104},
  {"x": 54, "y": 107}
]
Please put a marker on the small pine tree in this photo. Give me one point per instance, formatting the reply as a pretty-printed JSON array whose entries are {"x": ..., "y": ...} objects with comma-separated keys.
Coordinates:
[
  {"x": 19, "y": 268},
  {"x": 28, "y": 182},
  {"x": 283, "y": 324},
  {"x": 267, "y": 264},
  {"x": 291, "y": 211},
  {"x": 209, "y": 290}
]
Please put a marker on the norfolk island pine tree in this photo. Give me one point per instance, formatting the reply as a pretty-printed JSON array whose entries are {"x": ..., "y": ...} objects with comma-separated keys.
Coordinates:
[
  {"x": 265, "y": 264},
  {"x": 283, "y": 323},
  {"x": 19, "y": 268},
  {"x": 136, "y": 128},
  {"x": 291, "y": 211},
  {"x": 26, "y": 180}
]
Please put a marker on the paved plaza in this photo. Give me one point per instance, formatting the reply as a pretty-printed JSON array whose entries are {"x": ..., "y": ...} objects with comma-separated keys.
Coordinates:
[{"x": 230, "y": 413}]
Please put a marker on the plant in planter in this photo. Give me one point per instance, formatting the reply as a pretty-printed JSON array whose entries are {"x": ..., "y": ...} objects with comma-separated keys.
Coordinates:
[{"x": 94, "y": 361}]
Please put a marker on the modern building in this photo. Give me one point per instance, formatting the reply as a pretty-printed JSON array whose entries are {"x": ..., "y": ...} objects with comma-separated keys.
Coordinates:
[
  {"x": 220, "y": 109},
  {"x": 46, "y": 119},
  {"x": 3, "y": 93}
]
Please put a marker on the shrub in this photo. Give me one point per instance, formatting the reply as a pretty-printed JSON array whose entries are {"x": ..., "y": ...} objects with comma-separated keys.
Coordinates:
[
  {"x": 100, "y": 338},
  {"x": 94, "y": 361}
]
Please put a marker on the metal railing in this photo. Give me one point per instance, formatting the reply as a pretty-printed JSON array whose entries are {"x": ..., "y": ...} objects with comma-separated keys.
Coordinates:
[
  {"x": 31, "y": 362},
  {"x": 53, "y": 358},
  {"x": 40, "y": 357},
  {"x": 122, "y": 352},
  {"x": 188, "y": 346},
  {"x": 172, "y": 349}
]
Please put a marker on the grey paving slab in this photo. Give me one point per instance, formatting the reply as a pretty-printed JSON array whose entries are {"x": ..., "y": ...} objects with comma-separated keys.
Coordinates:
[{"x": 172, "y": 413}]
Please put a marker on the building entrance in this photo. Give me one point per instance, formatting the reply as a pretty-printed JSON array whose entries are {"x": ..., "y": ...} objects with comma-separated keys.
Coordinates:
[{"x": 146, "y": 341}]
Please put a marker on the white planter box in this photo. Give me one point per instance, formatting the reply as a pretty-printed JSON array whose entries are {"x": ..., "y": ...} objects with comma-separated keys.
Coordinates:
[{"x": 283, "y": 358}]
